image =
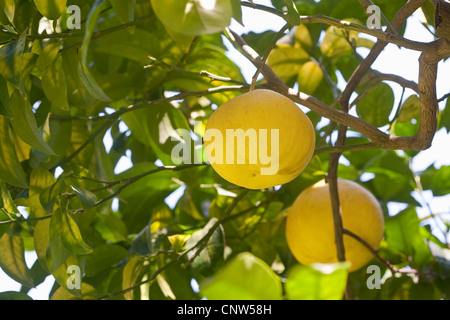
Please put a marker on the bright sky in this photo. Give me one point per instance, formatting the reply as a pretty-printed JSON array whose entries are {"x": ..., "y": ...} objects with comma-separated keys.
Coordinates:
[{"x": 392, "y": 60}]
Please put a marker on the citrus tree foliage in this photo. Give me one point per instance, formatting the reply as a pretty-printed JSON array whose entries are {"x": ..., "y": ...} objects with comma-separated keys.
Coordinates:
[{"x": 139, "y": 71}]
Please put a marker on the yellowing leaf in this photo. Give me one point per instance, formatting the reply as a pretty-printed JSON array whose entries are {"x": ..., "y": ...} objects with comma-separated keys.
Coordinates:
[
  {"x": 309, "y": 77},
  {"x": 12, "y": 260},
  {"x": 11, "y": 170}
]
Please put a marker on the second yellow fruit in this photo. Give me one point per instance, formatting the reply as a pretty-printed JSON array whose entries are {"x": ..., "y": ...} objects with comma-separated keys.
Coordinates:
[
  {"x": 310, "y": 225},
  {"x": 259, "y": 139}
]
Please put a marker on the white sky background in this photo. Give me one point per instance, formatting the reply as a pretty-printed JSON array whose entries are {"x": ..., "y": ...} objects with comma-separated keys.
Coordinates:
[{"x": 392, "y": 60}]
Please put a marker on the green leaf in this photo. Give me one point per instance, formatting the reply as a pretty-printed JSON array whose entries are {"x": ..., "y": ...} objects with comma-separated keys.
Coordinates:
[
  {"x": 245, "y": 277},
  {"x": 436, "y": 180},
  {"x": 104, "y": 257},
  {"x": 142, "y": 243},
  {"x": 11, "y": 170},
  {"x": 336, "y": 42},
  {"x": 87, "y": 198},
  {"x": 83, "y": 70},
  {"x": 286, "y": 61},
  {"x": 410, "y": 109},
  {"x": 292, "y": 16},
  {"x": 184, "y": 41},
  {"x": 125, "y": 9},
  {"x": 7, "y": 13},
  {"x": 12, "y": 295},
  {"x": 65, "y": 234},
  {"x": 9, "y": 211},
  {"x": 309, "y": 77},
  {"x": 131, "y": 273},
  {"x": 406, "y": 129},
  {"x": 376, "y": 106},
  {"x": 41, "y": 240},
  {"x": 194, "y": 17},
  {"x": 260, "y": 42},
  {"x": 444, "y": 117},
  {"x": 11, "y": 57},
  {"x": 176, "y": 283},
  {"x": 51, "y": 9},
  {"x": 137, "y": 46},
  {"x": 49, "y": 193},
  {"x": 24, "y": 123},
  {"x": 403, "y": 236},
  {"x": 55, "y": 86},
  {"x": 12, "y": 260},
  {"x": 317, "y": 282},
  {"x": 213, "y": 253},
  {"x": 237, "y": 11},
  {"x": 158, "y": 127}
]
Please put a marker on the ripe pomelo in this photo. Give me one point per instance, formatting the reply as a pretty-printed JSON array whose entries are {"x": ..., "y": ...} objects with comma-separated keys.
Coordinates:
[
  {"x": 310, "y": 226},
  {"x": 259, "y": 139}
]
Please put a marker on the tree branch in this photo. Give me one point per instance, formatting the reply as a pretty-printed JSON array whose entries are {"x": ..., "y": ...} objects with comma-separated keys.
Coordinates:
[
  {"x": 389, "y": 265},
  {"x": 124, "y": 183},
  {"x": 400, "y": 18}
]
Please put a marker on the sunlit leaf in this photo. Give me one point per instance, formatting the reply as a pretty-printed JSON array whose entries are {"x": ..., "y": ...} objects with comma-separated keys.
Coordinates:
[
  {"x": 410, "y": 109},
  {"x": 12, "y": 260},
  {"x": 317, "y": 282},
  {"x": 65, "y": 234},
  {"x": 51, "y": 9},
  {"x": 245, "y": 277},
  {"x": 194, "y": 18},
  {"x": 7, "y": 12}
]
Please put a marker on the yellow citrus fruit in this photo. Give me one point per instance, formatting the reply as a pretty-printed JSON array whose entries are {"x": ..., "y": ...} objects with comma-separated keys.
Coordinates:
[
  {"x": 310, "y": 226},
  {"x": 259, "y": 139}
]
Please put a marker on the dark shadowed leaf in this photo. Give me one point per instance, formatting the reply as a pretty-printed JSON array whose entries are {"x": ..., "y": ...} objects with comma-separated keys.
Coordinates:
[
  {"x": 376, "y": 106},
  {"x": 212, "y": 254},
  {"x": 404, "y": 238},
  {"x": 104, "y": 257},
  {"x": 87, "y": 198}
]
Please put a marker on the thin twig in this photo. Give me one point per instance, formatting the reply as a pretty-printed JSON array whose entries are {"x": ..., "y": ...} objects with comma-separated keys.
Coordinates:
[
  {"x": 128, "y": 181},
  {"x": 199, "y": 245},
  {"x": 202, "y": 73},
  {"x": 389, "y": 265},
  {"x": 202, "y": 243},
  {"x": 266, "y": 55}
]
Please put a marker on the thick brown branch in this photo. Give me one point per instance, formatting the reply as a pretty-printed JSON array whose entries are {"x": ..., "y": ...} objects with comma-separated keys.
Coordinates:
[
  {"x": 442, "y": 19},
  {"x": 408, "y": 9}
]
